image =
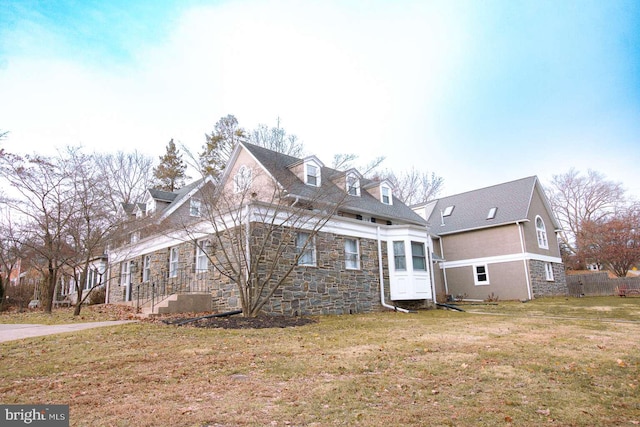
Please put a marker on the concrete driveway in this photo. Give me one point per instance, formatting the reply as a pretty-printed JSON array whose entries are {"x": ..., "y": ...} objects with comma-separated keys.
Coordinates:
[{"x": 11, "y": 331}]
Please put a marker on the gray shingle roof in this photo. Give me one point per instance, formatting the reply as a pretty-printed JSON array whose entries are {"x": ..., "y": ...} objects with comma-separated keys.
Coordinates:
[
  {"x": 278, "y": 164},
  {"x": 470, "y": 209}
]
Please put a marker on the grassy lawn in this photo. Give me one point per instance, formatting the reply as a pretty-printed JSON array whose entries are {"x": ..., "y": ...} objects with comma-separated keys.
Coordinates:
[{"x": 567, "y": 362}]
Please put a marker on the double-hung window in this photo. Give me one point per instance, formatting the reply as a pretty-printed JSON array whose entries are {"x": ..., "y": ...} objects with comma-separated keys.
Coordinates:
[
  {"x": 173, "y": 262},
  {"x": 418, "y": 256},
  {"x": 202, "y": 261},
  {"x": 242, "y": 179},
  {"x": 548, "y": 271},
  {"x": 312, "y": 174},
  {"x": 306, "y": 247},
  {"x": 481, "y": 274},
  {"x": 385, "y": 193},
  {"x": 399, "y": 257},
  {"x": 146, "y": 268},
  {"x": 353, "y": 185},
  {"x": 352, "y": 254},
  {"x": 194, "y": 207},
  {"x": 125, "y": 273}
]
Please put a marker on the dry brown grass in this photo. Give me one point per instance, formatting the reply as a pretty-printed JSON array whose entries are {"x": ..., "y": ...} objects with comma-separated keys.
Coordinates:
[{"x": 505, "y": 367}]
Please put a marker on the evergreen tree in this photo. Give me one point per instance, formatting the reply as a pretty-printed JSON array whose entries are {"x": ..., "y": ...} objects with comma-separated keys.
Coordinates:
[
  {"x": 170, "y": 174},
  {"x": 219, "y": 145}
]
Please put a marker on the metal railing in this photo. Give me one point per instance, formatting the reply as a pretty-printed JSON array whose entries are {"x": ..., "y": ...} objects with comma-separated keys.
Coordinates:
[{"x": 161, "y": 286}]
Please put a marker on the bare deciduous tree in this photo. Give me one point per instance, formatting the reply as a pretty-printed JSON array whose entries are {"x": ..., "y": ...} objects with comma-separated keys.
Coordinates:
[
  {"x": 255, "y": 237},
  {"x": 346, "y": 161},
  {"x": 415, "y": 187},
  {"x": 276, "y": 139},
  {"x": 129, "y": 176},
  {"x": 46, "y": 204},
  {"x": 90, "y": 225},
  {"x": 579, "y": 199},
  {"x": 613, "y": 241}
]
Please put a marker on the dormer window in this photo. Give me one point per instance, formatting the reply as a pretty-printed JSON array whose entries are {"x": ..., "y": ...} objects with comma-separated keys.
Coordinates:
[
  {"x": 242, "y": 179},
  {"x": 385, "y": 195},
  {"x": 312, "y": 174},
  {"x": 353, "y": 185}
]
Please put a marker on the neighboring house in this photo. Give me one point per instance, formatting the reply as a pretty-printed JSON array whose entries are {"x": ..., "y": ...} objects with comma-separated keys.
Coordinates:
[
  {"x": 372, "y": 242},
  {"x": 95, "y": 279},
  {"x": 498, "y": 242}
]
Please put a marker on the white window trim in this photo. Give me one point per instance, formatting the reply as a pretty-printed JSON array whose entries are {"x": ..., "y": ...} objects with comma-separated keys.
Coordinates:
[
  {"x": 424, "y": 256},
  {"x": 386, "y": 187},
  {"x": 125, "y": 273},
  {"x": 150, "y": 206},
  {"x": 146, "y": 268},
  {"x": 195, "y": 206},
  {"x": 355, "y": 186},
  {"x": 242, "y": 179},
  {"x": 201, "y": 257},
  {"x": 548, "y": 272},
  {"x": 478, "y": 282},
  {"x": 356, "y": 253},
  {"x": 318, "y": 174},
  {"x": 173, "y": 262},
  {"x": 309, "y": 248},
  {"x": 403, "y": 255},
  {"x": 541, "y": 234}
]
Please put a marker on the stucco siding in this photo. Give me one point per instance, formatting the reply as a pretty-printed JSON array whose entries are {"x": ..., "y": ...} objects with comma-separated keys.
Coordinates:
[
  {"x": 507, "y": 281},
  {"x": 482, "y": 243},
  {"x": 537, "y": 208}
]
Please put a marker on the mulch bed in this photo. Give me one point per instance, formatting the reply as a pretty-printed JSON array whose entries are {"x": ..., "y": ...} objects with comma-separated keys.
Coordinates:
[{"x": 240, "y": 322}]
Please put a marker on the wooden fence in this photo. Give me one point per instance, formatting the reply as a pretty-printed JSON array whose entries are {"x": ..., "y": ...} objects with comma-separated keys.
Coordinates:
[{"x": 599, "y": 284}]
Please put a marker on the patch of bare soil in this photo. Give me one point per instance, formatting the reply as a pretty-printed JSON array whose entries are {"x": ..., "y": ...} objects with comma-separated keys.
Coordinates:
[{"x": 240, "y": 322}]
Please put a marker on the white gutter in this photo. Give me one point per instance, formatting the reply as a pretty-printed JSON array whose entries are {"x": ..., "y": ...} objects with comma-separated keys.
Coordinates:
[
  {"x": 524, "y": 260},
  {"x": 384, "y": 304}
]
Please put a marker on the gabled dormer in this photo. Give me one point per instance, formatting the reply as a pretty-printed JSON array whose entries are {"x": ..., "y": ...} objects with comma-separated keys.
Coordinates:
[
  {"x": 352, "y": 182},
  {"x": 139, "y": 211},
  {"x": 308, "y": 170},
  {"x": 383, "y": 191}
]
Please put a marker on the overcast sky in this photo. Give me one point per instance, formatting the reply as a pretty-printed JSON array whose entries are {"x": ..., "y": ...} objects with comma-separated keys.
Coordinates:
[{"x": 479, "y": 92}]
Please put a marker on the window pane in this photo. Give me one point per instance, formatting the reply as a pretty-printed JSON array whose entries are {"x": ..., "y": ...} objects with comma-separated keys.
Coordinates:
[
  {"x": 417, "y": 253},
  {"x": 352, "y": 256},
  {"x": 398, "y": 256},
  {"x": 307, "y": 256}
]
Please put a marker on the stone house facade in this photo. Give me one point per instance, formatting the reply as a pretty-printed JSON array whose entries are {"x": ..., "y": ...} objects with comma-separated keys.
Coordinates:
[{"x": 337, "y": 266}]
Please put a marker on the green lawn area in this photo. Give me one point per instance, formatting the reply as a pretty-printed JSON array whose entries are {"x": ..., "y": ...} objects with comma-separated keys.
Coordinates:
[{"x": 556, "y": 361}]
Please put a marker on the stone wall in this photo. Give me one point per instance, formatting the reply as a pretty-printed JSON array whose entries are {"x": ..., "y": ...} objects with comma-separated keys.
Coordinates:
[
  {"x": 539, "y": 284},
  {"x": 329, "y": 287}
]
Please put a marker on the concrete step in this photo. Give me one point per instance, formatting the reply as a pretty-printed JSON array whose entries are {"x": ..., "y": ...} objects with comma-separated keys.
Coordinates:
[{"x": 179, "y": 303}]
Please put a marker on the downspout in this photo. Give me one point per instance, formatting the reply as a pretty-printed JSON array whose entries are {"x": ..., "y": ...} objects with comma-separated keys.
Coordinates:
[
  {"x": 444, "y": 269},
  {"x": 524, "y": 259},
  {"x": 384, "y": 304},
  {"x": 431, "y": 267},
  {"x": 107, "y": 285}
]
